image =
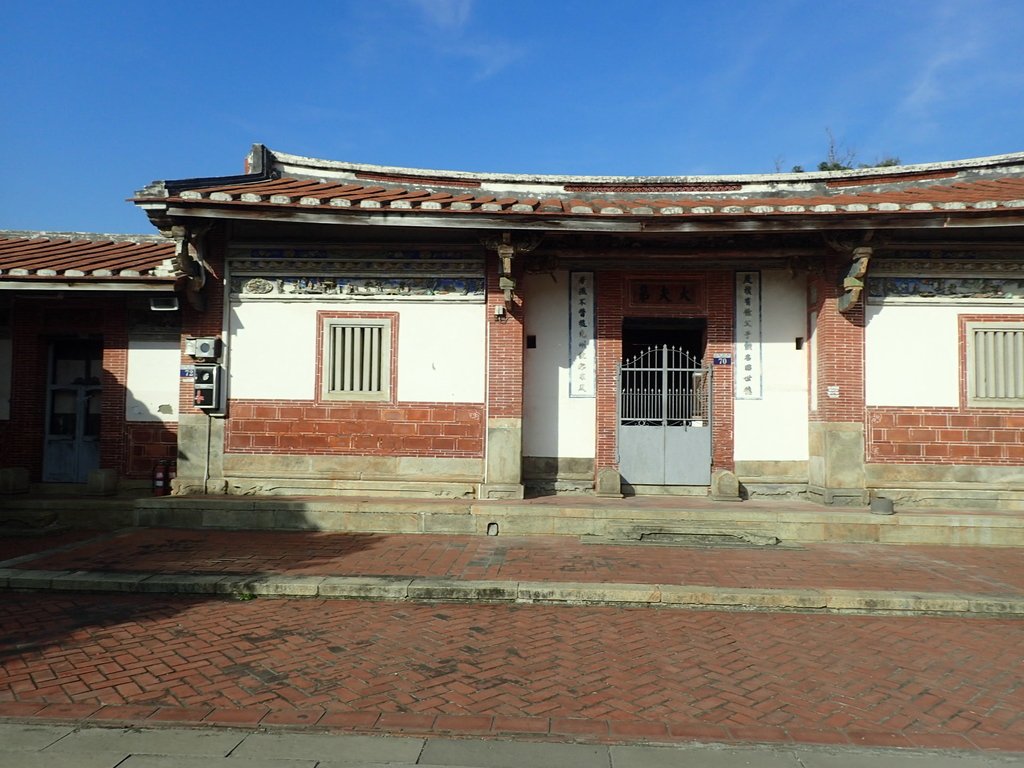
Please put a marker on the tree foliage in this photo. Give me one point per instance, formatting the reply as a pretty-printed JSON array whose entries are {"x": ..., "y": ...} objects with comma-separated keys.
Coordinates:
[{"x": 840, "y": 158}]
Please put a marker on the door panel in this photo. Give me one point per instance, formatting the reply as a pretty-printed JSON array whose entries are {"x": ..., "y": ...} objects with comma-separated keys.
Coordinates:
[
  {"x": 664, "y": 418},
  {"x": 73, "y": 411}
]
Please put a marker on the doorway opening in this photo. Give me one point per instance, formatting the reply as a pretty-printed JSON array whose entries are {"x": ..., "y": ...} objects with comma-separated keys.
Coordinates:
[
  {"x": 74, "y": 403},
  {"x": 641, "y": 333},
  {"x": 664, "y": 436}
]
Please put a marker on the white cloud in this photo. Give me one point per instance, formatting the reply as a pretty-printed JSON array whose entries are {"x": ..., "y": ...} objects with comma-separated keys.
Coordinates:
[
  {"x": 446, "y": 14},
  {"x": 960, "y": 57}
]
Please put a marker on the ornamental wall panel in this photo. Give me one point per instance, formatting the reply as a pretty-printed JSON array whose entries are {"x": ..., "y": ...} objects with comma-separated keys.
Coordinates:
[{"x": 437, "y": 298}]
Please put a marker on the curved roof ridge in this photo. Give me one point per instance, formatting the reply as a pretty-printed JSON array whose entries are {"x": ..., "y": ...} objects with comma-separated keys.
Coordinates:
[
  {"x": 95, "y": 237},
  {"x": 290, "y": 164}
]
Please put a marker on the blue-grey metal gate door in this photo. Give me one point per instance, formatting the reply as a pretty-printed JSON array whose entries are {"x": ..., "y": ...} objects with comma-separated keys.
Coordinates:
[{"x": 664, "y": 418}]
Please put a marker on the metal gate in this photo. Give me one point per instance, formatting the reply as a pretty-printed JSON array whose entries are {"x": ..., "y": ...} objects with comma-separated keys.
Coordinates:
[{"x": 664, "y": 419}]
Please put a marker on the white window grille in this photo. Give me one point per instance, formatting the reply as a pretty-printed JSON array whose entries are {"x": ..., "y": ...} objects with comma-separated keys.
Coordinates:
[
  {"x": 356, "y": 359},
  {"x": 995, "y": 364}
]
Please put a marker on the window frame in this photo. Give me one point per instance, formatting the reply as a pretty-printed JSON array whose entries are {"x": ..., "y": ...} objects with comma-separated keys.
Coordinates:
[{"x": 970, "y": 358}]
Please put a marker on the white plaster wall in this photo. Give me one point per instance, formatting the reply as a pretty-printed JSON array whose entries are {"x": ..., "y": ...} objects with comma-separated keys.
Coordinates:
[
  {"x": 554, "y": 424},
  {"x": 912, "y": 353},
  {"x": 774, "y": 428},
  {"x": 441, "y": 349},
  {"x": 6, "y": 369},
  {"x": 154, "y": 368}
]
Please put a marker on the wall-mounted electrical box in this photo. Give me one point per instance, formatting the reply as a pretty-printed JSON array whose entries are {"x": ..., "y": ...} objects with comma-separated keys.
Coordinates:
[
  {"x": 205, "y": 347},
  {"x": 207, "y": 387}
]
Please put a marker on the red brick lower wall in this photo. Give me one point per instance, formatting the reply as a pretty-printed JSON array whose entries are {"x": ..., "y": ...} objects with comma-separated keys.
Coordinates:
[
  {"x": 944, "y": 436},
  {"x": 148, "y": 442},
  {"x": 384, "y": 429}
]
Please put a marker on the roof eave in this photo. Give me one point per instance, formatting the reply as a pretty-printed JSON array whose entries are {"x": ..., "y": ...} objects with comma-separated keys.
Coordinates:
[{"x": 138, "y": 286}]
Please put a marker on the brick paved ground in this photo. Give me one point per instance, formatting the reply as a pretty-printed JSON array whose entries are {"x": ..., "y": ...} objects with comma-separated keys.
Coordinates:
[
  {"x": 974, "y": 570},
  {"x": 565, "y": 673},
  {"x": 16, "y": 546}
]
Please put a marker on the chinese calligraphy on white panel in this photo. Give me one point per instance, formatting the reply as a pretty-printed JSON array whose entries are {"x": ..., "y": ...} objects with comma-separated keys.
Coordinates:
[
  {"x": 748, "y": 336},
  {"x": 582, "y": 344}
]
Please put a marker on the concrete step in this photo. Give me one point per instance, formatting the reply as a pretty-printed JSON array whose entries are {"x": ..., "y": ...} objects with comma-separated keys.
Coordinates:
[
  {"x": 633, "y": 519},
  {"x": 428, "y": 589}
]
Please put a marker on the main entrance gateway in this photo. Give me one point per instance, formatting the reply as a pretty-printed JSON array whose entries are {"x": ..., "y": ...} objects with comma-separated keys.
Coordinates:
[{"x": 664, "y": 404}]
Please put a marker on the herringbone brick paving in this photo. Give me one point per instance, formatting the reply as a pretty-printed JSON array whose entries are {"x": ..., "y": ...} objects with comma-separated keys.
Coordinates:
[
  {"x": 974, "y": 570},
  {"x": 560, "y": 672},
  {"x": 16, "y": 546}
]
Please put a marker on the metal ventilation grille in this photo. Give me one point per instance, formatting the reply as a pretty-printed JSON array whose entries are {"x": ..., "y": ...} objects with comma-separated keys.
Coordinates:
[
  {"x": 997, "y": 364},
  {"x": 357, "y": 360}
]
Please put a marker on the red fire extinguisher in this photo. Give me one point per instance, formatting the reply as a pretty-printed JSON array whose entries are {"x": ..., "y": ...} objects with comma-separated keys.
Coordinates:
[{"x": 160, "y": 479}]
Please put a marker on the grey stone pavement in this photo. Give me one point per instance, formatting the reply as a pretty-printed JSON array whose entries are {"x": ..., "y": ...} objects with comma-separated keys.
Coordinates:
[{"x": 61, "y": 746}]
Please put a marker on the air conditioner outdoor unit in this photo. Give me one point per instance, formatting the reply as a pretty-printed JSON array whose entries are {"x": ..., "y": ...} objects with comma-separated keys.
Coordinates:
[{"x": 204, "y": 347}]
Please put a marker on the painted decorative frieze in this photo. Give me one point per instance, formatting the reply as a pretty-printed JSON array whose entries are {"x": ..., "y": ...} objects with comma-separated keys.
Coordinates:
[
  {"x": 295, "y": 273},
  {"x": 947, "y": 275},
  {"x": 957, "y": 287}
]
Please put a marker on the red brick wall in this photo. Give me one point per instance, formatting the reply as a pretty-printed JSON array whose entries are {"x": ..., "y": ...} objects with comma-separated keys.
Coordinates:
[
  {"x": 147, "y": 443},
  {"x": 371, "y": 429},
  {"x": 721, "y": 316},
  {"x": 839, "y": 345},
  {"x": 208, "y": 322},
  {"x": 945, "y": 436},
  {"x": 505, "y": 344},
  {"x": 608, "y": 305},
  {"x": 115, "y": 383}
]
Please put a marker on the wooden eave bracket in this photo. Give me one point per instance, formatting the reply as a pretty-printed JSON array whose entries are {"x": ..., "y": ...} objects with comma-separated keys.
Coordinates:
[
  {"x": 507, "y": 249},
  {"x": 853, "y": 283},
  {"x": 189, "y": 254}
]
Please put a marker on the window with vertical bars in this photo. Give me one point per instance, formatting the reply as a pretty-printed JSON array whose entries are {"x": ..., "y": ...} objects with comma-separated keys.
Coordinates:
[
  {"x": 995, "y": 365},
  {"x": 357, "y": 359}
]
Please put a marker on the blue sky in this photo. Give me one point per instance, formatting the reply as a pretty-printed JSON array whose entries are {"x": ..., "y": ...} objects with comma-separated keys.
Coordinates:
[{"x": 102, "y": 97}]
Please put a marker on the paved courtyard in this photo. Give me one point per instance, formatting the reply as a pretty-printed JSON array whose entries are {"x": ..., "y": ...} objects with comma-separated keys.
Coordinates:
[
  {"x": 565, "y": 673},
  {"x": 974, "y": 570}
]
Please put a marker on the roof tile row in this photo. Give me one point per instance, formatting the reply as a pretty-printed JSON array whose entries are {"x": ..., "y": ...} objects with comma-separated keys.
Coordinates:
[
  {"x": 1002, "y": 193},
  {"x": 85, "y": 257}
]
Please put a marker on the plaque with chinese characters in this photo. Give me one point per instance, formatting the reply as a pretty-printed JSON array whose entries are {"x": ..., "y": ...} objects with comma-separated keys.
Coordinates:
[
  {"x": 582, "y": 344},
  {"x": 678, "y": 294},
  {"x": 747, "y": 367}
]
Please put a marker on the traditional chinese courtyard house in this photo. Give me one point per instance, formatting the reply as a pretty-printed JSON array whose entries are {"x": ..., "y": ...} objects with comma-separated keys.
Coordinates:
[
  {"x": 89, "y": 360},
  {"x": 400, "y": 331}
]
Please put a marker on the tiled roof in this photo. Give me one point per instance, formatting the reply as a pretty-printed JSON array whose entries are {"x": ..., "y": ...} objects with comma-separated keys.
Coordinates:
[
  {"x": 82, "y": 258},
  {"x": 286, "y": 181}
]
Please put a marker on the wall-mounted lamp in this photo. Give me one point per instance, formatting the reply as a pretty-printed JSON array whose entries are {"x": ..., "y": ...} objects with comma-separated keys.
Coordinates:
[
  {"x": 500, "y": 313},
  {"x": 163, "y": 303}
]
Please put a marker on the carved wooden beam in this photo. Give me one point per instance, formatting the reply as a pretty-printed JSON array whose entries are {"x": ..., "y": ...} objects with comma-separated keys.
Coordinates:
[
  {"x": 507, "y": 249},
  {"x": 853, "y": 283}
]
